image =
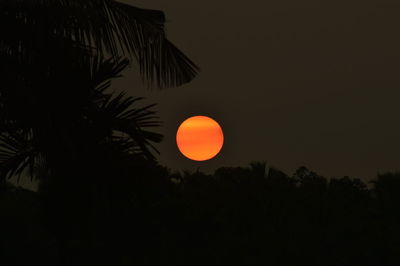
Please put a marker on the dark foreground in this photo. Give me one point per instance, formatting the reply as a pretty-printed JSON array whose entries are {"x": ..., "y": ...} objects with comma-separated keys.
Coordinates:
[{"x": 238, "y": 216}]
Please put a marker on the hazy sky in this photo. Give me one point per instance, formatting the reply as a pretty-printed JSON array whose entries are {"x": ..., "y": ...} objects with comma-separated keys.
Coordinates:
[{"x": 294, "y": 83}]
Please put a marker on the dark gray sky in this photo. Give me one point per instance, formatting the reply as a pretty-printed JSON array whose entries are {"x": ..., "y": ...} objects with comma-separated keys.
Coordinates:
[{"x": 314, "y": 83}]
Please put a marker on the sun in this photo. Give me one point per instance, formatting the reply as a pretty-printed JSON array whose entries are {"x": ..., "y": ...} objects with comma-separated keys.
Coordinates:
[{"x": 199, "y": 138}]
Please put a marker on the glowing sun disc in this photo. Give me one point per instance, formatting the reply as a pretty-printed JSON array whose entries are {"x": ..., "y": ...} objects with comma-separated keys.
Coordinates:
[{"x": 199, "y": 138}]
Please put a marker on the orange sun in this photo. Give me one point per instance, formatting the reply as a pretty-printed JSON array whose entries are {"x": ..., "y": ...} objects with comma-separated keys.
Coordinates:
[{"x": 199, "y": 138}]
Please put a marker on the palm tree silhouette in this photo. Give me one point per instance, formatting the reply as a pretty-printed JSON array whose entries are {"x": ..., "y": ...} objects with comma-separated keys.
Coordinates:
[
  {"x": 57, "y": 59},
  {"x": 41, "y": 30},
  {"x": 44, "y": 128},
  {"x": 76, "y": 143}
]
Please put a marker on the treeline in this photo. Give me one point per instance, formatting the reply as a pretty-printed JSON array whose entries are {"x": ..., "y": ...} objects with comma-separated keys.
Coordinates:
[{"x": 252, "y": 215}]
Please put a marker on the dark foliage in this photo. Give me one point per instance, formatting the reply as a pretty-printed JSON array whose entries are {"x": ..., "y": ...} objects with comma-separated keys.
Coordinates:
[
  {"x": 31, "y": 30},
  {"x": 54, "y": 117},
  {"x": 237, "y": 216},
  {"x": 56, "y": 62}
]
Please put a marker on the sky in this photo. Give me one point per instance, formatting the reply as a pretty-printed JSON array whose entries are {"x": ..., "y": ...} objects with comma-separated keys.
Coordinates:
[{"x": 292, "y": 83}]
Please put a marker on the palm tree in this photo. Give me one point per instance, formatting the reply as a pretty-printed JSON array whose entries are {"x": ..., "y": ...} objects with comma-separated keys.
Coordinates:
[
  {"x": 49, "y": 130},
  {"x": 42, "y": 29},
  {"x": 53, "y": 100}
]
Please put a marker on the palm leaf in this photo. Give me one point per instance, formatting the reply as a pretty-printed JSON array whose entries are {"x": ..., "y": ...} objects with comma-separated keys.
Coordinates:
[
  {"x": 84, "y": 115},
  {"x": 40, "y": 27},
  {"x": 130, "y": 122},
  {"x": 16, "y": 154}
]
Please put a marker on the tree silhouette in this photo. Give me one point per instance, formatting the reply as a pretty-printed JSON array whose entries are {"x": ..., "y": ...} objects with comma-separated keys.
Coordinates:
[
  {"x": 77, "y": 148},
  {"x": 59, "y": 121},
  {"x": 47, "y": 129},
  {"x": 386, "y": 190},
  {"x": 233, "y": 216},
  {"x": 45, "y": 44},
  {"x": 35, "y": 30}
]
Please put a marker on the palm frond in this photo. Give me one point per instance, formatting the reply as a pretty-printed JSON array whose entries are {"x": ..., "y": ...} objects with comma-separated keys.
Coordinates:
[
  {"x": 83, "y": 115},
  {"x": 16, "y": 154},
  {"x": 131, "y": 123},
  {"x": 109, "y": 27}
]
